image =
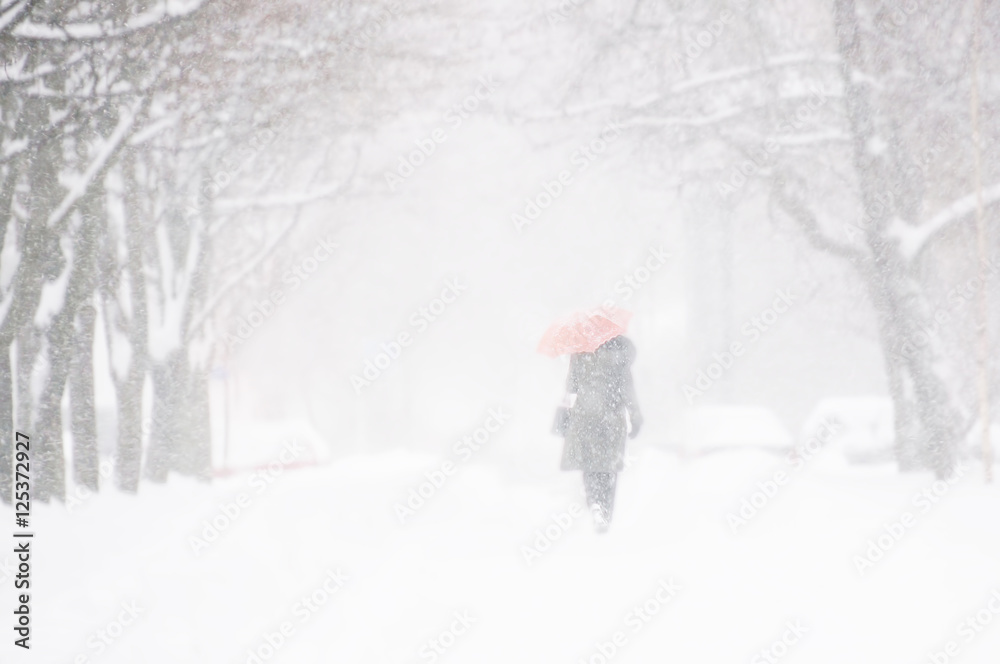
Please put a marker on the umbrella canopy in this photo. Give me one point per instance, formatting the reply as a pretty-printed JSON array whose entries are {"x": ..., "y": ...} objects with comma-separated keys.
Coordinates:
[{"x": 583, "y": 332}]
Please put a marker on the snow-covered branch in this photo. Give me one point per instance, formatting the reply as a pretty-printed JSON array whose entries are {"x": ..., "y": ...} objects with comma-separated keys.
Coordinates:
[
  {"x": 807, "y": 221},
  {"x": 913, "y": 240},
  {"x": 104, "y": 157},
  {"x": 14, "y": 13},
  {"x": 728, "y": 75},
  {"x": 105, "y": 29},
  {"x": 226, "y": 205},
  {"x": 201, "y": 317}
]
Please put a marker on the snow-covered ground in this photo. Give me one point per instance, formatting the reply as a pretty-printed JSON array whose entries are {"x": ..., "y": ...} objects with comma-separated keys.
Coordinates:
[{"x": 493, "y": 570}]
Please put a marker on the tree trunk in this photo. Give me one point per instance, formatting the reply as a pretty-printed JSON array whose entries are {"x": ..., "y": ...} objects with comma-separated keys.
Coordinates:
[
  {"x": 48, "y": 461},
  {"x": 6, "y": 348},
  {"x": 181, "y": 437},
  {"x": 83, "y": 425},
  {"x": 6, "y": 427},
  {"x": 939, "y": 419},
  {"x": 128, "y": 455},
  {"x": 134, "y": 331},
  {"x": 26, "y": 351},
  {"x": 61, "y": 347},
  {"x": 83, "y": 416},
  {"x": 926, "y": 421},
  {"x": 169, "y": 386},
  {"x": 197, "y": 455},
  {"x": 906, "y": 425}
]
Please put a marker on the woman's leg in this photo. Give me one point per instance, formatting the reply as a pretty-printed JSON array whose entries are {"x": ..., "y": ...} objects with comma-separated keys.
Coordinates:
[
  {"x": 590, "y": 487},
  {"x": 612, "y": 485},
  {"x": 600, "y": 490}
]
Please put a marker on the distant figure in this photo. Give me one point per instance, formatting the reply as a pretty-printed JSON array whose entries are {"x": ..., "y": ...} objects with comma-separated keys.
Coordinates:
[{"x": 600, "y": 393}]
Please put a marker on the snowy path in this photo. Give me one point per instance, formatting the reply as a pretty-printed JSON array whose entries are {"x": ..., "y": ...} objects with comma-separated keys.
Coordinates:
[{"x": 462, "y": 553}]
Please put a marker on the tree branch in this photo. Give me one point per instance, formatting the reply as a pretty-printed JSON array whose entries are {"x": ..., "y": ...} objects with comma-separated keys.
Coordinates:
[
  {"x": 807, "y": 221},
  {"x": 913, "y": 241}
]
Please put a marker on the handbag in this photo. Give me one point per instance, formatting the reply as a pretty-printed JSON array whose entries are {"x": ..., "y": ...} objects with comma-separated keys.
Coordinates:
[{"x": 561, "y": 423}]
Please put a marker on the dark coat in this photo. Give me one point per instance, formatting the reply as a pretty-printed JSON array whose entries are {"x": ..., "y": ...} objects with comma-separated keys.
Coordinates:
[{"x": 602, "y": 382}]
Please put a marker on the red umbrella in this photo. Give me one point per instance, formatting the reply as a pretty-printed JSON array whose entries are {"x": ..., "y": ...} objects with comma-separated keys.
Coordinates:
[{"x": 583, "y": 332}]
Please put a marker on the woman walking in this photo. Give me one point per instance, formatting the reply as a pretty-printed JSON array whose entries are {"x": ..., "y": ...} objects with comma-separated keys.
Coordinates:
[
  {"x": 596, "y": 428},
  {"x": 601, "y": 408}
]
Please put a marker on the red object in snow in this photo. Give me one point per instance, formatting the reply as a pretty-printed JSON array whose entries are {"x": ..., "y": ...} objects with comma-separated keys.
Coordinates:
[{"x": 583, "y": 332}]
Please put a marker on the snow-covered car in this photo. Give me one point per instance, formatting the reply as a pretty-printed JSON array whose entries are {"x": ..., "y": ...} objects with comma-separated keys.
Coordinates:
[{"x": 861, "y": 427}]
